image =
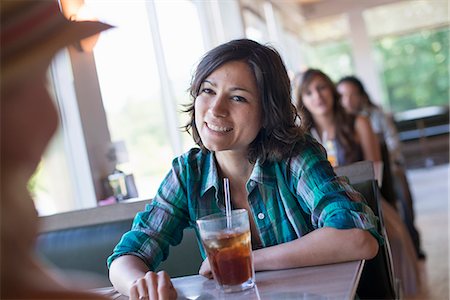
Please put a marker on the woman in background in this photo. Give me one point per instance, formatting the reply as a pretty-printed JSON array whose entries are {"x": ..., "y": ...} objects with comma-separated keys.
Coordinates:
[
  {"x": 352, "y": 138},
  {"x": 356, "y": 101}
]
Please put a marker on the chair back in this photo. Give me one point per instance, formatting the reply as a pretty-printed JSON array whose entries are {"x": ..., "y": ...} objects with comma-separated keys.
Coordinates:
[
  {"x": 387, "y": 186},
  {"x": 357, "y": 172},
  {"x": 377, "y": 279}
]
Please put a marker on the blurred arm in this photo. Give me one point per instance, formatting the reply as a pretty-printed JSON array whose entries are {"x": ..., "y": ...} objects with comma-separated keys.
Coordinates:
[{"x": 369, "y": 141}]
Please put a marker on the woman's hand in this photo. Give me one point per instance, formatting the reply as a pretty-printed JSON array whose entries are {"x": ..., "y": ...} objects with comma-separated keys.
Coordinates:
[
  {"x": 153, "y": 286},
  {"x": 205, "y": 269}
]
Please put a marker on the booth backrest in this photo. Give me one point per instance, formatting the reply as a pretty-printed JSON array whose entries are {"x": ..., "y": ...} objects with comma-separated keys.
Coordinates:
[
  {"x": 68, "y": 244},
  {"x": 377, "y": 279}
]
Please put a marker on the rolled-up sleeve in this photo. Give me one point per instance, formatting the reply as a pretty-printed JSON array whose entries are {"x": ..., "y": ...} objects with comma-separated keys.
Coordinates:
[
  {"x": 331, "y": 200},
  {"x": 161, "y": 224}
]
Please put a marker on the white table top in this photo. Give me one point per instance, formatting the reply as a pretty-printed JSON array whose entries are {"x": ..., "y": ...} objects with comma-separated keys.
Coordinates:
[{"x": 335, "y": 281}]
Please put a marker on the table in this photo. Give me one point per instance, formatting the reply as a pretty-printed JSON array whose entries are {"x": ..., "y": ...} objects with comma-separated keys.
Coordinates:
[{"x": 334, "y": 281}]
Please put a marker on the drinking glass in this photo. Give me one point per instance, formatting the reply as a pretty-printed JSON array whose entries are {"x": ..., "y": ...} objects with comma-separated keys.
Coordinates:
[{"x": 228, "y": 246}]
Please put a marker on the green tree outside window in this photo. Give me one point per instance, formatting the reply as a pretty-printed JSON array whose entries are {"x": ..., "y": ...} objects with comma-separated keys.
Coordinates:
[{"x": 414, "y": 69}]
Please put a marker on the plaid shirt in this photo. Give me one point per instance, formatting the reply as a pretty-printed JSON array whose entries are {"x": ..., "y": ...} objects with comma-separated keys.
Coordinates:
[{"x": 288, "y": 199}]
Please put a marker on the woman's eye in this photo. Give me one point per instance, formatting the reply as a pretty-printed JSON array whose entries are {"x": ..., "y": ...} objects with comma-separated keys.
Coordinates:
[
  {"x": 238, "y": 98},
  {"x": 206, "y": 91}
]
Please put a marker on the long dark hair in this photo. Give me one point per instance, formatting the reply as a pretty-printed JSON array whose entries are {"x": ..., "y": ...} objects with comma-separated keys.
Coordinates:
[
  {"x": 279, "y": 134},
  {"x": 343, "y": 122},
  {"x": 358, "y": 84}
]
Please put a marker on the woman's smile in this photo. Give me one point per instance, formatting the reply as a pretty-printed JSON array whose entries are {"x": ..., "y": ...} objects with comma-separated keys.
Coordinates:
[{"x": 218, "y": 128}]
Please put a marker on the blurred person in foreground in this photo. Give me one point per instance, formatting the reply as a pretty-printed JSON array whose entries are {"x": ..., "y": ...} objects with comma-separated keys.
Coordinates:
[
  {"x": 352, "y": 138},
  {"x": 356, "y": 101},
  {"x": 242, "y": 119},
  {"x": 31, "y": 33}
]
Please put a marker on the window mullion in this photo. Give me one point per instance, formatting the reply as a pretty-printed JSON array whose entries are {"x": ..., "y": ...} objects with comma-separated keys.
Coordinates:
[
  {"x": 74, "y": 141},
  {"x": 168, "y": 96}
]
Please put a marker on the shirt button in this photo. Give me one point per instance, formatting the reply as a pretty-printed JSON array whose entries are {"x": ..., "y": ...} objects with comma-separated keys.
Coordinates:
[
  {"x": 252, "y": 184},
  {"x": 261, "y": 216}
]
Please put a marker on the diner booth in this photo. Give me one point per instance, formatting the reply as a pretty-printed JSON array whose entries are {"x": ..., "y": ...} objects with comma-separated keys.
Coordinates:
[{"x": 119, "y": 97}]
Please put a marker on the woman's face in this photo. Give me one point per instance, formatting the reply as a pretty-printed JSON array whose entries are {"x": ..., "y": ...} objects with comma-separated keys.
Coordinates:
[
  {"x": 228, "y": 112},
  {"x": 350, "y": 97},
  {"x": 317, "y": 97},
  {"x": 29, "y": 120}
]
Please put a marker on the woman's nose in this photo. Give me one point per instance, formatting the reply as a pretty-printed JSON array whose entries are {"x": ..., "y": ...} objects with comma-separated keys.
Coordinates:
[
  {"x": 316, "y": 94},
  {"x": 219, "y": 106}
]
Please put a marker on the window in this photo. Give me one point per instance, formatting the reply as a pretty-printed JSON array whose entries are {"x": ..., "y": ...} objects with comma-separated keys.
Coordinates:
[
  {"x": 51, "y": 180},
  {"x": 411, "y": 42},
  {"x": 327, "y": 47},
  {"x": 62, "y": 182},
  {"x": 334, "y": 58},
  {"x": 185, "y": 37},
  {"x": 143, "y": 80},
  {"x": 415, "y": 68}
]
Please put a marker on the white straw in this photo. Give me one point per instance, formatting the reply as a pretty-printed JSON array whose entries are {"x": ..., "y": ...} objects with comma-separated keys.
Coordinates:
[{"x": 226, "y": 188}]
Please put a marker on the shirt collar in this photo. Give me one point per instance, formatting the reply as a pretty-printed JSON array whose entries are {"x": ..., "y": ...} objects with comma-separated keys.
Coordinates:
[
  {"x": 263, "y": 173},
  {"x": 211, "y": 180}
]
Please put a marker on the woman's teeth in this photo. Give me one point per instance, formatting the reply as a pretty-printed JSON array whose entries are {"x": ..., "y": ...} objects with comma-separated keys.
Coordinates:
[{"x": 219, "y": 128}]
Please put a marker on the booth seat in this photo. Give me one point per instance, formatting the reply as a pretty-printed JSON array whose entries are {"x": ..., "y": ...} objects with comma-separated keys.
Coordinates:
[{"x": 79, "y": 242}]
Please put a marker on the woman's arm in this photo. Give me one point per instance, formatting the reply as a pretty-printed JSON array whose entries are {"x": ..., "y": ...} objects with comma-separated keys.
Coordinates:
[
  {"x": 130, "y": 276},
  {"x": 124, "y": 270},
  {"x": 321, "y": 246},
  {"x": 368, "y": 139}
]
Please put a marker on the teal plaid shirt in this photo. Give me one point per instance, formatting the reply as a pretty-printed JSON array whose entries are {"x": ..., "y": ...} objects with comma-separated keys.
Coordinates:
[{"x": 288, "y": 199}]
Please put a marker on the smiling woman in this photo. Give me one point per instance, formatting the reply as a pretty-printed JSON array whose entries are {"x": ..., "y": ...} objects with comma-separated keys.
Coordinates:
[{"x": 242, "y": 118}]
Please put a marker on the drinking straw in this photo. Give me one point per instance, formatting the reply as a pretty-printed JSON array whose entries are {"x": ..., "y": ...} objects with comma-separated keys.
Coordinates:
[{"x": 226, "y": 188}]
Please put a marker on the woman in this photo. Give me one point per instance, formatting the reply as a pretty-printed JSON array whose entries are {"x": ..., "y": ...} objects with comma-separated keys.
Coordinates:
[
  {"x": 322, "y": 115},
  {"x": 354, "y": 140},
  {"x": 31, "y": 33},
  {"x": 356, "y": 100},
  {"x": 242, "y": 119}
]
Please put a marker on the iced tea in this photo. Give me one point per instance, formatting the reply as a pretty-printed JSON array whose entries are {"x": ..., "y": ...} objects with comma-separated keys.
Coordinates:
[
  {"x": 228, "y": 246},
  {"x": 230, "y": 257}
]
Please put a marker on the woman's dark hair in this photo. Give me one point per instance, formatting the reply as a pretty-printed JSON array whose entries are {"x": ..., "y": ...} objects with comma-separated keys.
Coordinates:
[
  {"x": 278, "y": 134},
  {"x": 343, "y": 122},
  {"x": 358, "y": 84}
]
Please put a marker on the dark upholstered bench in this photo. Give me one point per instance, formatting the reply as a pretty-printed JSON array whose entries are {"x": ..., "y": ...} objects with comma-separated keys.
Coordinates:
[{"x": 81, "y": 241}]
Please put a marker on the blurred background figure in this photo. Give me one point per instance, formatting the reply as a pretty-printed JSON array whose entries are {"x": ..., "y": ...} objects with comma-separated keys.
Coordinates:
[
  {"x": 31, "y": 33},
  {"x": 350, "y": 138},
  {"x": 356, "y": 101}
]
